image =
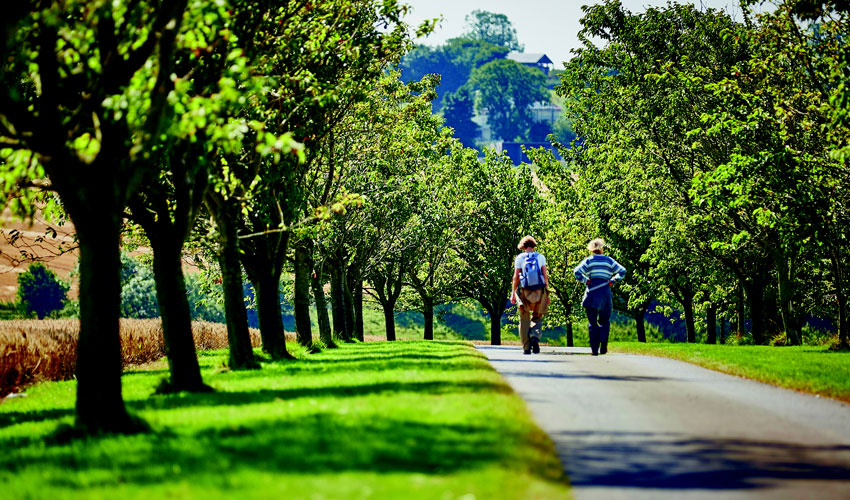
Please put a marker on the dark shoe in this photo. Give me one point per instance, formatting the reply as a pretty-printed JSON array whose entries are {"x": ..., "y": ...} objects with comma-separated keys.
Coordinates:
[
  {"x": 603, "y": 349},
  {"x": 526, "y": 351},
  {"x": 594, "y": 353},
  {"x": 535, "y": 345}
]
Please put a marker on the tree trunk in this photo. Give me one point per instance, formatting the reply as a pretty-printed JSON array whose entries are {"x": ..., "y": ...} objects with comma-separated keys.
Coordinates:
[
  {"x": 387, "y": 286},
  {"x": 358, "y": 311},
  {"x": 495, "y": 327},
  {"x": 348, "y": 307},
  {"x": 301, "y": 297},
  {"x": 568, "y": 310},
  {"x": 755, "y": 292},
  {"x": 688, "y": 306},
  {"x": 322, "y": 311},
  {"x": 238, "y": 336},
  {"x": 640, "y": 325},
  {"x": 790, "y": 322},
  {"x": 100, "y": 405},
  {"x": 843, "y": 327},
  {"x": 389, "y": 320},
  {"x": 841, "y": 296},
  {"x": 711, "y": 324},
  {"x": 176, "y": 317},
  {"x": 267, "y": 291},
  {"x": 740, "y": 313},
  {"x": 262, "y": 258},
  {"x": 341, "y": 330},
  {"x": 428, "y": 314}
]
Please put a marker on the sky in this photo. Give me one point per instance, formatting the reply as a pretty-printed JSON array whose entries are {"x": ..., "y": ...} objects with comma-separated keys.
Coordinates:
[{"x": 543, "y": 26}]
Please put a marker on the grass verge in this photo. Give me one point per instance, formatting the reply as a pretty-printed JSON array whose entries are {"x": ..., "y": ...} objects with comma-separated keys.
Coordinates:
[
  {"x": 813, "y": 369},
  {"x": 429, "y": 420}
]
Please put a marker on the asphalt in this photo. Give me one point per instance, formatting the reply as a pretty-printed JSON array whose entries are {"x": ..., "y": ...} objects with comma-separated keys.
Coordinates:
[{"x": 642, "y": 427}]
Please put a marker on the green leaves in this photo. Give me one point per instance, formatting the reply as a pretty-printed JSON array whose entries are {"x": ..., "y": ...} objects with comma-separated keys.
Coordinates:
[{"x": 506, "y": 90}]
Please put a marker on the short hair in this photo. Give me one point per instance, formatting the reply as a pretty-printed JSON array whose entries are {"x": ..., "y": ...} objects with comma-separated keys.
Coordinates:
[
  {"x": 596, "y": 244},
  {"x": 526, "y": 242}
]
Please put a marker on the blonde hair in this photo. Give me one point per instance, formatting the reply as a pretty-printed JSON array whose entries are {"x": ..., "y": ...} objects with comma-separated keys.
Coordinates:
[
  {"x": 597, "y": 244},
  {"x": 526, "y": 242}
]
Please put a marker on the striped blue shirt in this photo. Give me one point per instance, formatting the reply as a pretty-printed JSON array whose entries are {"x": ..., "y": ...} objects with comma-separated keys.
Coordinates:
[{"x": 599, "y": 266}]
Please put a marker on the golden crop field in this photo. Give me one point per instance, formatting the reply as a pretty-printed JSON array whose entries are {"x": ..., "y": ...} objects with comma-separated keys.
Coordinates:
[{"x": 36, "y": 350}]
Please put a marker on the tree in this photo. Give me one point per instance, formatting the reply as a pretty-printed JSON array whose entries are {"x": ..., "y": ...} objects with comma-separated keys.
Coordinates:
[
  {"x": 435, "y": 264},
  {"x": 637, "y": 104},
  {"x": 492, "y": 28},
  {"x": 40, "y": 292},
  {"x": 202, "y": 125},
  {"x": 495, "y": 204},
  {"x": 387, "y": 143},
  {"x": 83, "y": 95},
  {"x": 138, "y": 290},
  {"x": 458, "y": 110},
  {"x": 795, "y": 182},
  {"x": 506, "y": 90},
  {"x": 345, "y": 59}
]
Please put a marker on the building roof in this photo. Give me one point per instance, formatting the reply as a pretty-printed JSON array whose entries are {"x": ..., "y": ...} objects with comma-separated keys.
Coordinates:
[{"x": 528, "y": 58}]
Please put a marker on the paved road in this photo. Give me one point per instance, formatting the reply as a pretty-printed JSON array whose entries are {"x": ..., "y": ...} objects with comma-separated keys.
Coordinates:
[{"x": 636, "y": 427}]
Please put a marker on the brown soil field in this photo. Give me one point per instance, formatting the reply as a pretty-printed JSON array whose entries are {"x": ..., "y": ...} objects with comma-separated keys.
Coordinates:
[{"x": 22, "y": 243}]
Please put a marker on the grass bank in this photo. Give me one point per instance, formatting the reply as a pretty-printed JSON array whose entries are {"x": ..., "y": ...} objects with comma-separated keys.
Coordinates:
[
  {"x": 813, "y": 369},
  {"x": 429, "y": 420}
]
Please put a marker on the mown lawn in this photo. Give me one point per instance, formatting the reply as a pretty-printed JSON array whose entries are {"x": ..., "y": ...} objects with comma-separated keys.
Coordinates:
[
  {"x": 811, "y": 369},
  {"x": 410, "y": 420}
]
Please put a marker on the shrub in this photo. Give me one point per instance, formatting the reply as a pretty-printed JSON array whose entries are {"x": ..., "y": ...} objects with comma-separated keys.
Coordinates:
[
  {"x": 138, "y": 294},
  {"x": 40, "y": 292},
  {"x": 203, "y": 303}
]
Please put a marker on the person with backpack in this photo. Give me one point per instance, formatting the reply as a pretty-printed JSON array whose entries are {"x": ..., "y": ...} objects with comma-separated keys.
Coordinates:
[
  {"x": 531, "y": 292},
  {"x": 599, "y": 272}
]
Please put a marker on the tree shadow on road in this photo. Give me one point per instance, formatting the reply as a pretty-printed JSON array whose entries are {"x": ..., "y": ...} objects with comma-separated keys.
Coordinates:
[
  {"x": 673, "y": 461},
  {"x": 578, "y": 376}
]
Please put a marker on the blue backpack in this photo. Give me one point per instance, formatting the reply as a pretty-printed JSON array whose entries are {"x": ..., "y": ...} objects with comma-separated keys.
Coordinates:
[{"x": 531, "y": 277}]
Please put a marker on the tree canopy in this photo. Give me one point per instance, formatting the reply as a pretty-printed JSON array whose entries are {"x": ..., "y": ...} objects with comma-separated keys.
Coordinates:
[
  {"x": 506, "y": 91},
  {"x": 493, "y": 28}
]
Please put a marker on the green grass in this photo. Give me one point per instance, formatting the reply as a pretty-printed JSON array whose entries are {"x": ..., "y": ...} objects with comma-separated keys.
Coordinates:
[
  {"x": 813, "y": 369},
  {"x": 429, "y": 420}
]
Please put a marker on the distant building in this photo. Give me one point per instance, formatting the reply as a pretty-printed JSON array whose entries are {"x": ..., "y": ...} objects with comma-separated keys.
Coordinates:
[
  {"x": 485, "y": 132},
  {"x": 539, "y": 61},
  {"x": 545, "y": 112}
]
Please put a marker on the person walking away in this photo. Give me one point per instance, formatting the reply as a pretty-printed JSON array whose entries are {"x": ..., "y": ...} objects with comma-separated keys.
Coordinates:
[
  {"x": 530, "y": 290},
  {"x": 599, "y": 272}
]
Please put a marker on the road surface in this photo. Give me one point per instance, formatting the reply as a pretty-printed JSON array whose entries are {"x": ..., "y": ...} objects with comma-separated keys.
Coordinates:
[{"x": 641, "y": 427}]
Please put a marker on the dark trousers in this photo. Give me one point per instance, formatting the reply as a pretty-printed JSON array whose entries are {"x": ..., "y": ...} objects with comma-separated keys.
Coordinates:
[{"x": 598, "y": 327}]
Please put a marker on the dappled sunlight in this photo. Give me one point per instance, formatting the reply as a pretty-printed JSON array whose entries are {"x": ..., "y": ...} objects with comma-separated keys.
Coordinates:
[{"x": 388, "y": 408}]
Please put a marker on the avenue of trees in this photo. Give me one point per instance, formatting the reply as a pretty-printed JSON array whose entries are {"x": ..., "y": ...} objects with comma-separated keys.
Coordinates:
[
  {"x": 712, "y": 156},
  {"x": 258, "y": 139},
  {"x": 280, "y": 140}
]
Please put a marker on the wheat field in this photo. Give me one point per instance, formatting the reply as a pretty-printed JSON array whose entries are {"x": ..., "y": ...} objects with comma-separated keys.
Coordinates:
[{"x": 35, "y": 350}]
